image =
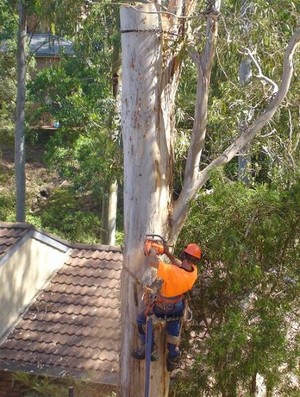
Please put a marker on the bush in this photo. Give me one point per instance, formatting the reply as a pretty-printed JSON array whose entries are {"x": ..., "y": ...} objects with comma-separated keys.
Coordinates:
[
  {"x": 7, "y": 208},
  {"x": 249, "y": 288},
  {"x": 66, "y": 216}
]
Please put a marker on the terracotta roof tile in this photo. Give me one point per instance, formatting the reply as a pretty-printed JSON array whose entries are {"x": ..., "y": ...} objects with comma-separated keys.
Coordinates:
[
  {"x": 9, "y": 236},
  {"x": 74, "y": 323}
]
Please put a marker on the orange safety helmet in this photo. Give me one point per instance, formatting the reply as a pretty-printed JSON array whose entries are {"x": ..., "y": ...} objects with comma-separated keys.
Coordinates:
[{"x": 193, "y": 250}]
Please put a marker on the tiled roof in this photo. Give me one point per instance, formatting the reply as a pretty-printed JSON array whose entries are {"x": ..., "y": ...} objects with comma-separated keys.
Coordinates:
[
  {"x": 45, "y": 45},
  {"x": 10, "y": 236},
  {"x": 49, "y": 45},
  {"x": 73, "y": 325}
]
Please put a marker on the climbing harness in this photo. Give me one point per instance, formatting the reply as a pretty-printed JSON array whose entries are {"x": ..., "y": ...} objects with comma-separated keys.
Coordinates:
[{"x": 167, "y": 304}]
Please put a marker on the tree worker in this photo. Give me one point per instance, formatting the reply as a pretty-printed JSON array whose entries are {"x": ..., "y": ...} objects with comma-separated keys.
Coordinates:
[{"x": 177, "y": 277}]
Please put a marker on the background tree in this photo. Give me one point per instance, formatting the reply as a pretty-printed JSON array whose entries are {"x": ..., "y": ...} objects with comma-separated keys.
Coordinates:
[
  {"x": 231, "y": 102},
  {"x": 20, "y": 115},
  {"x": 33, "y": 8},
  {"x": 79, "y": 93}
]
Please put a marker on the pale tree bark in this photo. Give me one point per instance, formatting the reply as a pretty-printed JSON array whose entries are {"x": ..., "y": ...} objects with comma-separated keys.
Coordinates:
[
  {"x": 146, "y": 173},
  {"x": 109, "y": 203},
  {"x": 20, "y": 117},
  {"x": 113, "y": 188},
  {"x": 112, "y": 213},
  {"x": 245, "y": 74},
  {"x": 203, "y": 62},
  {"x": 109, "y": 214}
]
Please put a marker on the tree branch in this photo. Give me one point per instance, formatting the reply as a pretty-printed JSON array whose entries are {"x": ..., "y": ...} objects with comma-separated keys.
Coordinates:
[
  {"x": 260, "y": 74},
  {"x": 181, "y": 205},
  {"x": 203, "y": 63}
]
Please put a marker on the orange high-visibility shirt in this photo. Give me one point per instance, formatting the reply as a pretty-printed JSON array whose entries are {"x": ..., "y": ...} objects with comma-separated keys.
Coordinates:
[{"x": 176, "y": 280}]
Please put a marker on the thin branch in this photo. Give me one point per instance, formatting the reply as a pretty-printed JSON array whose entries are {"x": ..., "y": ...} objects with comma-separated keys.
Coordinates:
[{"x": 260, "y": 74}]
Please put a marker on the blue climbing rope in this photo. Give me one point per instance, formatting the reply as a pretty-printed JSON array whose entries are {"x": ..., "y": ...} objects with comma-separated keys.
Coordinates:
[{"x": 149, "y": 330}]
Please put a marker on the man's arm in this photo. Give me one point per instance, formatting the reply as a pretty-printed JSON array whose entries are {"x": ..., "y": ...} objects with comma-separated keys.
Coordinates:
[
  {"x": 175, "y": 261},
  {"x": 152, "y": 259}
]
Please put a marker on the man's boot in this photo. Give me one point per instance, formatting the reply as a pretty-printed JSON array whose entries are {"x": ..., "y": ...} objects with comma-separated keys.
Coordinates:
[
  {"x": 140, "y": 353},
  {"x": 172, "y": 362}
]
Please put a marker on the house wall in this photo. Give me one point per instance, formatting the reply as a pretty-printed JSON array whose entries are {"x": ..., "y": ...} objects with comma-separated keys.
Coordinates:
[
  {"x": 9, "y": 387},
  {"x": 13, "y": 388},
  {"x": 45, "y": 62},
  {"x": 24, "y": 273}
]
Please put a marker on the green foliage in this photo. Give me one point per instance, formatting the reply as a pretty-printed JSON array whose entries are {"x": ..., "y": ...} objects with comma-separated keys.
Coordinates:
[
  {"x": 76, "y": 92},
  {"x": 8, "y": 28},
  {"x": 7, "y": 197},
  {"x": 64, "y": 215},
  {"x": 85, "y": 149},
  {"x": 8, "y": 73},
  {"x": 7, "y": 208},
  {"x": 62, "y": 17},
  {"x": 8, "y": 21},
  {"x": 249, "y": 293}
]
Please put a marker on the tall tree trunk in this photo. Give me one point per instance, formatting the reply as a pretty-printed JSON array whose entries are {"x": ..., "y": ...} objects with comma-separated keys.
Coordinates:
[
  {"x": 109, "y": 213},
  {"x": 104, "y": 219},
  {"x": 151, "y": 65},
  {"x": 20, "y": 117},
  {"x": 148, "y": 168},
  {"x": 112, "y": 213},
  {"x": 245, "y": 74}
]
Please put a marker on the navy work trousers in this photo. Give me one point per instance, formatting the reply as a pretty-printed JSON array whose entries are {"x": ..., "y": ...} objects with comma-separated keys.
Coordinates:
[{"x": 166, "y": 312}]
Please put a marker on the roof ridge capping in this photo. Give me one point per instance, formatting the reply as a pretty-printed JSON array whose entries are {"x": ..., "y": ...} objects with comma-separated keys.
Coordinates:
[
  {"x": 100, "y": 247},
  {"x": 14, "y": 225},
  {"x": 36, "y": 233}
]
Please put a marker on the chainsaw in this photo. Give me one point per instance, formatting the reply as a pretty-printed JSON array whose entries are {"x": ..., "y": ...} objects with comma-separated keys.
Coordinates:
[{"x": 156, "y": 242}]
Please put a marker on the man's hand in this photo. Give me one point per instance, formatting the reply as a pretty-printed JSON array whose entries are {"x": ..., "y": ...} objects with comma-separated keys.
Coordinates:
[
  {"x": 167, "y": 250},
  {"x": 149, "y": 244},
  {"x": 147, "y": 247},
  {"x": 152, "y": 252}
]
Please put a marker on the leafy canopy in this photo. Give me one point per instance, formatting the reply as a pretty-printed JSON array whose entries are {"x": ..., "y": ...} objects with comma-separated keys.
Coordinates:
[{"x": 248, "y": 296}]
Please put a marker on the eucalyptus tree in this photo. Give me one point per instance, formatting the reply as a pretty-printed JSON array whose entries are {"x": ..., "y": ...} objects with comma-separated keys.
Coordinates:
[
  {"x": 155, "y": 39},
  {"x": 253, "y": 39},
  {"x": 256, "y": 52}
]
